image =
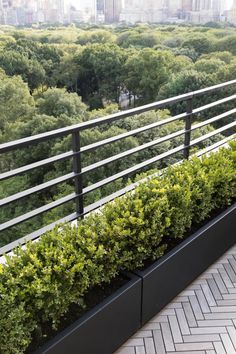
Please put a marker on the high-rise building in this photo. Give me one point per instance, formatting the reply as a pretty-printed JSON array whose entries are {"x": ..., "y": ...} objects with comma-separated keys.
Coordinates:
[
  {"x": 101, "y": 6},
  {"x": 5, "y": 6},
  {"x": 231, "y": 17},
  {"x": 145, "y": 11},
  {"x": 187, "y": 5},
  {"x": 156, "y": 10},
  {"x": 206, "y": 10},
  {"x": 132, "y": 11},
  {"x": 186, "y": 9},
  {"x": 174, "y": 8},
  {"x": 112, "y": 10},
  {"x": 100, "y": 11},
  {"x": 88, "y": 10},
  {"x": 54, "y": 11}
]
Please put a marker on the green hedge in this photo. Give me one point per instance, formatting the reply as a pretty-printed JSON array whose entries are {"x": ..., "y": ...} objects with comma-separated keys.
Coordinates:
[{"x": 39, "y": 284}]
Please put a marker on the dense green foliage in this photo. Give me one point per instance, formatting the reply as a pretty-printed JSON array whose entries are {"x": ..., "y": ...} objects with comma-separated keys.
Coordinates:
[
  {"x": 56, "y": 77},
  {"x": 40, "y": 283},
  {"x": 103, "y": 62}
]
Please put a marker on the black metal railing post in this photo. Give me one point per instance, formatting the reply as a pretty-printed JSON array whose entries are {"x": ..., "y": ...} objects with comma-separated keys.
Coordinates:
[
  {"x": 75, "y": 154},
  {"x": 188, "y": 127},
  {"x": 77, "y": 167}
]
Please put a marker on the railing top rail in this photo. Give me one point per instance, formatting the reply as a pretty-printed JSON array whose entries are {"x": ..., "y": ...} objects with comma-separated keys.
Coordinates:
[{"x": 13, "y": 145}]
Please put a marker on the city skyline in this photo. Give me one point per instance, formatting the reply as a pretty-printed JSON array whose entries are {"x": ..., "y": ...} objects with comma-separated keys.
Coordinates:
[
  {"x": 75, "y": 3},
  {"x": 28, "y": 12}
]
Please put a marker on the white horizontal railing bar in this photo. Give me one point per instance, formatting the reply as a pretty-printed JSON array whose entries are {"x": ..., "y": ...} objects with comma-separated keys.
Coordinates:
[
  {"x": 108, "y": 119},
  {"x": 36, "y": 234},
  {"x": 116, "y": 138},
  {"x": 213, "y": 104},
  {"x": 38, "y": 188},
  {"x": 54, "y": 182},
  {"x": 100, "y": 203},
  {"x": 155, "y": 125},
  {"x": 132, "y": 151},
  {"x": 134, "y": 132},
  {"x": 153, "y": 143},
  {"x": 215, "y": 132},
  {"x": 131, "y": 170},
  {"x": 35, "y": 165},
  {"x": 215, "y": 146},
  {"x": 90, "y": 147},
  {"x": 36, "y": 212},
  {"x": 214, "y": 119}
]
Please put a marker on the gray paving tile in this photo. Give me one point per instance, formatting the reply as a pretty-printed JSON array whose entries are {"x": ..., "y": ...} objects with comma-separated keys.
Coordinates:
[
  {"x": 133, "y": 342},
  {"x": 159, "y": 319},
  {"x": 201, "y": 320},
  {"x": 202, "y": 301},
  {"x": 224, "y": 309},
  {"x": 214, "y": 288},
  {"x": 175, "y": 305},
  {"x": 220, "y": 316},
  {"x": 182, "y": 321},
  {"x": 127, "y": 350},
  {"x": 151, "y": 326},
  {"x": 230, "y": 272},
  {"x": 232, "y": 335},
  {"x": 208, "y": 330},
  {"x": 227, "y": 344},
  {"x": 189, "y": 314},
  {"x": 159, "y": 343},
  {"x": 232, "y": 262},
  {"x": 196, "y": 308},
  {"x": 226, "y": 278},
  {"x": 219, "y": 348},
  {"x": 175, "y": 329},
  {"x": 143, "y": 334},
  {"x": 187, "y": 352},
  {"x": 226, "y": 302},
  {"x": 200, "y": 338},
  {"x": 194, "y": 346},
  {"x": 149, "y": 346},
  {"x": 216, "y": 323},
  {"x": 208, "y": 294},
  {"x": 140, "y": 350},
  {"x": 229, "y": 296},
  {"x": 167, "y": 337},
  {"x": 220, "y": 283}
]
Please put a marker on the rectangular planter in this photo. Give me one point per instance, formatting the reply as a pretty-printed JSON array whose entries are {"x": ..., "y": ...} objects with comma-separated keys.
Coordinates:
[
  {"x": 170, "y": 275},
  {"x": 105, "y": 328}
]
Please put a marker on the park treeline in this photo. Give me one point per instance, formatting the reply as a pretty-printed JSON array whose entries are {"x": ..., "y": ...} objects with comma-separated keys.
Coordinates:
[{"x": 55, "y": 77}]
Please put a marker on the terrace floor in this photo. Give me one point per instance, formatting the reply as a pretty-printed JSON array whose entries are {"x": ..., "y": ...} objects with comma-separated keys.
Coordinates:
[{"x": 201, "y": 320}]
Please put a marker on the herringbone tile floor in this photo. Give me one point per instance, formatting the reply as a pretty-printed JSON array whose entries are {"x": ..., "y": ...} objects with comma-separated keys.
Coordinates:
[{"x": 201, "y": 320}]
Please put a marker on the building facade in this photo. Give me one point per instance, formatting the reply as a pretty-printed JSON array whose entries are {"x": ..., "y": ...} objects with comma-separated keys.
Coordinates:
[
  {"x": 26, "y": 12},
  {"x": 204, "y": 11},
  {"x": 144, "y": 11},
  {"x": 231, "y": 16},
  {"x": 112, "y": 10},
  {"x": 196, "y": 11}
]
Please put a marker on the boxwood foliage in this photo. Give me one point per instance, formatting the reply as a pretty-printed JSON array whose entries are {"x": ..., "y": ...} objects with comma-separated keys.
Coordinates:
[{"x": 40, "y": 283}]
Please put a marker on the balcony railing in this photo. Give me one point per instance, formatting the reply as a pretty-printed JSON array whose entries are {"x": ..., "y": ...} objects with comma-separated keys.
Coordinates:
[{"x": 78, "y": 171}]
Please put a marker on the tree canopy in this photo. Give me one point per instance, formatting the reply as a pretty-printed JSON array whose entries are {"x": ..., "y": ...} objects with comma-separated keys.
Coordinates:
[{"x": 55, "y": 77}]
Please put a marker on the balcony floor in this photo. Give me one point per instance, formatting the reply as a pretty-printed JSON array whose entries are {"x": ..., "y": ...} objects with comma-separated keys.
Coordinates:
[{"x": 201, "y": 320}]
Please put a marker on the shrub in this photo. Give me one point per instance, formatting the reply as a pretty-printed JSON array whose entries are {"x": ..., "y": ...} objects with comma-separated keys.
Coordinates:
[{"x": 40, "y": 283}]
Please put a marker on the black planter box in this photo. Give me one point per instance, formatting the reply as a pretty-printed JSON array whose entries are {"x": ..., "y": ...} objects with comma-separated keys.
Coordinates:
[
  {"x": 105, "y": 328},
  {"x": 170, "y": 275}
]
